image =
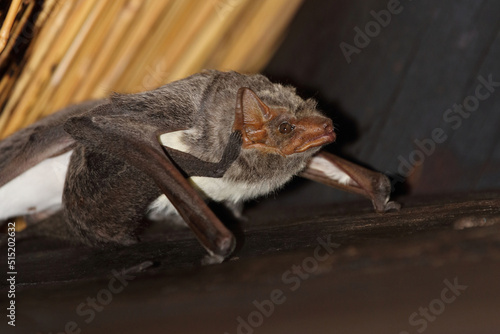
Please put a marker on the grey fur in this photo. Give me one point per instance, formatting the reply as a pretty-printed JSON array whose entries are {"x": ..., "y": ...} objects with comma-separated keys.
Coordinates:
[{"x": 105, "y": 199}]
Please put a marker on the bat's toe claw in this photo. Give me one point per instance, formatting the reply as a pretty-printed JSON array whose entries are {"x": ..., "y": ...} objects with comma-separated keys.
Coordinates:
[
  {"x": 383, "y": 206},
  {"x": 392, "y": 206},
  {"x": 212, "y": 259}
]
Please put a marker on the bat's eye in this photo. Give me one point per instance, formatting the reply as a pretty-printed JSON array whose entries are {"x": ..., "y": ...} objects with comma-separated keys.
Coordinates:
[{"x": 286, "y": 127}]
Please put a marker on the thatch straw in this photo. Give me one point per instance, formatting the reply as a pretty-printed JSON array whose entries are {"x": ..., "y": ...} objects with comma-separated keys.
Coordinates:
[
  {"x": 88, "y": 48},
  {"x": 8, "y": 22}
]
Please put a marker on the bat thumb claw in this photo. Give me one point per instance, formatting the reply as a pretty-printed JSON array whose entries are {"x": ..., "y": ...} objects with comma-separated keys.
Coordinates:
[{"x": 226, "y": 245}]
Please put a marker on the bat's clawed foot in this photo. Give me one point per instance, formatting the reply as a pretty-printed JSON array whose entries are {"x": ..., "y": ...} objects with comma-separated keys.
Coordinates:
[
  {"x": 212, "y": 259},
  {"x": 382, "y": 206},
  {"x": 225, "y": 245},
  {"x": 392, "y": 206},
  {"x": 380, "y": 196},
  {"x": 221, "y": 247}
]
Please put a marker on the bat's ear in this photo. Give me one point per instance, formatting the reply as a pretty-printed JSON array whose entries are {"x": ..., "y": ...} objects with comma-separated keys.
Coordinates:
[{"x": 251, "y": 116}]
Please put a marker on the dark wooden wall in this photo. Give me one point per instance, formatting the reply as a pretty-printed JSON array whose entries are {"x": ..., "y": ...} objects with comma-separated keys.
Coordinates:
[{"x": 398, "y": 88}]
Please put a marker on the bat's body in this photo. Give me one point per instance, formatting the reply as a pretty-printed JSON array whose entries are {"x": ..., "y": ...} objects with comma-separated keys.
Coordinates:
[{"x": 235, "y": 136}]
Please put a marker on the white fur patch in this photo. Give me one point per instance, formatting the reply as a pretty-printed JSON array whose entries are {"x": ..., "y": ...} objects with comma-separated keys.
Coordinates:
[
  {"x": 36, "y": 190},
  {"x": 223, "y": 190},
  {"x": 161, "y": 208},
  {"x": 330, "y": 170},
  {"x": 174, "y": 140},
  {"x": 216, "y": 189}
]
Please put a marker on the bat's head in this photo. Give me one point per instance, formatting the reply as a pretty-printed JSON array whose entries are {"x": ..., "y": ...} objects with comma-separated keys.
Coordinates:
[{"x": 278, "y": 130}]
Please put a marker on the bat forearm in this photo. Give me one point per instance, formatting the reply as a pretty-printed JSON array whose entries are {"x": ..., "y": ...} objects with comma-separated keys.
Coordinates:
[
  {"x": 336, "y": 172},
  {"x": 143, "y": 151}
]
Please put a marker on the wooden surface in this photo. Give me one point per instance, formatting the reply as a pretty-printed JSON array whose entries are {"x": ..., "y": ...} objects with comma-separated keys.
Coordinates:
[{"x": 384, "y": 268}]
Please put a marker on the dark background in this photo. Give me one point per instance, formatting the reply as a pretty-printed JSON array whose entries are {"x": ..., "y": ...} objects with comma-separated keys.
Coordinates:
[{"x": 397, "y": 89}]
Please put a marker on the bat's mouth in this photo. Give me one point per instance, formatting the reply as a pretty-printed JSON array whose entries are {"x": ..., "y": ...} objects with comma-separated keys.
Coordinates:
[{"x": 326, "y": 138}]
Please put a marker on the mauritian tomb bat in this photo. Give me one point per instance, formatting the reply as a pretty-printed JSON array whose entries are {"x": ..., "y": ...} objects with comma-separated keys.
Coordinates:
[{"x": 105, "y": 166}]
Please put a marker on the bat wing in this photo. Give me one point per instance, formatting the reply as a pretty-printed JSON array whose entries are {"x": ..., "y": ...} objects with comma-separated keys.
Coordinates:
[
  {"x": 134, "y": 139},
  {"x": 336, "y": 172},
  {"x": 30, "y": 146},
  {"x": 44, "y": 139}
]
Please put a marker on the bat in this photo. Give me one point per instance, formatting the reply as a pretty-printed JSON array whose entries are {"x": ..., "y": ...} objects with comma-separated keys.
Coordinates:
[{"x": 105, "y": 167}]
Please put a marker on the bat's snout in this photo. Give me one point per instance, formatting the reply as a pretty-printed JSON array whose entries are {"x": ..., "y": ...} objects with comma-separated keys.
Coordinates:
[
  {"x": 318, "y": 131},
  {"x": 328, "y": 135},
  {"x": 322, "y": 130}
]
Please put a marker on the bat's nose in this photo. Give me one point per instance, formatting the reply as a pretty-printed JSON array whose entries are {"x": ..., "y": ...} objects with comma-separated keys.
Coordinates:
[
  {"x": 319, "y": 127},
  {"x": 314, "y": 131},
  {"x": 329, "y": 129},
  {"x": 328, "y": 125}
]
